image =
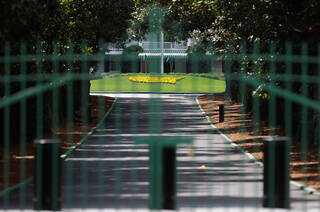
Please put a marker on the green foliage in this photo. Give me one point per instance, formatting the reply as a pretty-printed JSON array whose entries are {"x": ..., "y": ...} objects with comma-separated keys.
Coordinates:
[
  {"x": 27, "y": 21},
  {"x": 68, "y": 21},
  {"x": 77, "y": 25},
  {"x": 134, "y": 50},
  {"x": 144, "y": 22},
  {"x": 198, "y": 49},
  {"x": 92, "y": 20},
  {"x": 260, "y": 25},
  {"x": 233, "y": 20}
]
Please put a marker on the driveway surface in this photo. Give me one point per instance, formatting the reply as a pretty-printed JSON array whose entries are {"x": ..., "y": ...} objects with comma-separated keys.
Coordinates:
[{"x": 110, "y": 170}]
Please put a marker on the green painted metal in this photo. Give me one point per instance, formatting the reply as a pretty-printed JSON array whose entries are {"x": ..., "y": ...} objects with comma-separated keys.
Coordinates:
[
  {"x": 156, "y": 147},
  {"x": 276, "y": 85}
]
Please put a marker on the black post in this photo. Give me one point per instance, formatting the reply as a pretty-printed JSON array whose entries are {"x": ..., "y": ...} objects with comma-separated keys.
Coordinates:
[
  {"x": 47, "y": 177},
  {"x": 221, "y": 113},
  {"x": 276, "y": 173},
  {"x": 89, "y": 118},
  {"x": 169, "y": 178}
]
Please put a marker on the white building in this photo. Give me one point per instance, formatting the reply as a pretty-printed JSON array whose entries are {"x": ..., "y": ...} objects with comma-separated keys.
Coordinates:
[{"x": 173, "y": 55}]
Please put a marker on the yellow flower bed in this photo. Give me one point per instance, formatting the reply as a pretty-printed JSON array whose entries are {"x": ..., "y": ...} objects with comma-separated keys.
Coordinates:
[{"x": 170, "y": 80}]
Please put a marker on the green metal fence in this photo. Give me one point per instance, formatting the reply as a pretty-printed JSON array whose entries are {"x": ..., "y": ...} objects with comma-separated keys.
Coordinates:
[{"x": 121, "y": 153}]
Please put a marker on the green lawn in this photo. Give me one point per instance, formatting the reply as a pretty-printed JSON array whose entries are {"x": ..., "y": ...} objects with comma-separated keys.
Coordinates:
[{"x": 192, "y": 83}]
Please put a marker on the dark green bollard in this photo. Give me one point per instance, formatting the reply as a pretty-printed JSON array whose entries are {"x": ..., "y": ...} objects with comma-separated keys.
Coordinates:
[
  {"x": 169, "y": 178},
  {"x": 89, "y": 118},
  {"x": 162, "y": 159},
  {"x": 221, "y": 113},
  {"x": 276, "y": 173},
  {"x": 47, "y": 178}
]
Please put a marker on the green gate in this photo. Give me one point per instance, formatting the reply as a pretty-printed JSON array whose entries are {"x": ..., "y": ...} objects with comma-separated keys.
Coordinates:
[{"x": 190, "y": 139}]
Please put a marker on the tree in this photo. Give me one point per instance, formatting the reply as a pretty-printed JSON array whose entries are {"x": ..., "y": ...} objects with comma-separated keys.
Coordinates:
[
  {"x": 249, "y": 20},
  {"x": 42, "y": 22},
  {"x": 230, "y": 22},
  {"x": 181, "y": 18},
  {"x": 92, "y": 20}
]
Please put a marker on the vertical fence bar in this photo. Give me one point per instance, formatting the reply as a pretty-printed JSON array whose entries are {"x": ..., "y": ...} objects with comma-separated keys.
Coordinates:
[
  {"x": 256, "y": 94},
  {"x": 229, "y": 77},
  {"x": 156, "y": 171},
  {"x": 70, "y": 91},
  {"x": 85, "y": 108},
  {"x": 243, "y": 100},
  {"x": 69, "y": 166},
  {"x": 288, "y": 110},
  {"x": 117, "y": 138},
  {"x": 38, "y": 163},
  {"x": 38, "y": 178},
  {"x": 228, "y": 69},
  {"x": 194, "y": 63},
  {"x": 243, "y": 71},
  {"x": 117, "y": 176},
  {"x": 70, "y": 115},
  {"x": 272, "y": 97},
  {"x": 155, "y": 119},
  {"x": 256, "y": 101},
  {"x": 55, "y": 122},
  {"x": 318, "y": 112},
  {"x": 23, "y": 114},
  {"x": 155, "y": 127},
  {"x": 67, "y": 109},
  {"x": 304, "y": 111},
  {"x": 100, "y": 106},
  {"x": 270, "y": 157},
  {"x": 212, "y": 60},
  {"x": 55, "y": 92},
  {"x": 84, "y": 99},
  {"x": 7, "y": 128},
  {"x": 242, "y": 84},
  {"x": 288, "y": 103},
  {"x": 194, "y": 69},
  {"x": 39, "y": 95},
  {"x": 136, "y": 62}
]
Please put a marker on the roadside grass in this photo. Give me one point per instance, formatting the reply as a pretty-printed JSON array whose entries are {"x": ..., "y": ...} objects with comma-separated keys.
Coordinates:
[{"x": 192, "y": 83}]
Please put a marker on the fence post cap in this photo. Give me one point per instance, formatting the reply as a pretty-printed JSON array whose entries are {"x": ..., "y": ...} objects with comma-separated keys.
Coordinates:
[{"x": 47, "y": 141}]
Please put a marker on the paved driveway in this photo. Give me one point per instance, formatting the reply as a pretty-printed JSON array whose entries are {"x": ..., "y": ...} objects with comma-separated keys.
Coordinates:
[{"x": 110, "y": 171}]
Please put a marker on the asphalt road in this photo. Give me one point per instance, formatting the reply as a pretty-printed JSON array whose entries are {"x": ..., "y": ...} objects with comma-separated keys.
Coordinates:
[{"x": 110, "y": 170}]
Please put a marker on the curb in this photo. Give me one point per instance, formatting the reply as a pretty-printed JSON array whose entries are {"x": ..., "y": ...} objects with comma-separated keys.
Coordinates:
[
  {"x": 306, "y": 188},
  {"x": 85, "y": 138},
  {"x": 12, "y": 188}
]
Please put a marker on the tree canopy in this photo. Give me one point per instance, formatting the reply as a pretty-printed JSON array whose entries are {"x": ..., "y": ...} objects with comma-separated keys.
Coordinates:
[
  {"x": 68, "y": 22},
  {"x": 64, "y": 20},
  {"x": 233, "y": 20}
]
